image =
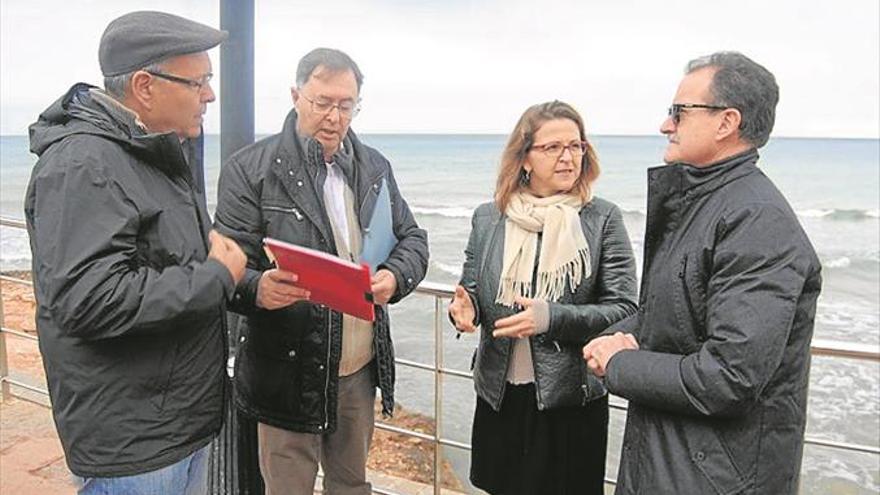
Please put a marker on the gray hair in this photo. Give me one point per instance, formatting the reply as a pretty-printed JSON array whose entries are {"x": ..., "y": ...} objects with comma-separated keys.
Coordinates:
[
  {"x": 330, "y": 58},
  {"x": 745, "y": 85},
  {"x": 115, "y": 85}
]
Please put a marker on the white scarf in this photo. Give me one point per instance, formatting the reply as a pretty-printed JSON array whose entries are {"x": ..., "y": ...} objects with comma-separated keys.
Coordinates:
[{"x": 565, "y": 254}]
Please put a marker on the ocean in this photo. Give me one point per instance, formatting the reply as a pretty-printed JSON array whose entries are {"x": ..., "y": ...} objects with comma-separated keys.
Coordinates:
[{"x": 832, "y": 184}]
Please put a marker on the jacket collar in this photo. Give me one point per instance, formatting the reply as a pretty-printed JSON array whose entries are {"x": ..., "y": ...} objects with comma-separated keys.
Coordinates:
[
  {"x": 301, "y": 161},
  {"x": 85, "y": 109},
  {"x": 677, "y": 179},
  {"x": 673, "y": 188}
]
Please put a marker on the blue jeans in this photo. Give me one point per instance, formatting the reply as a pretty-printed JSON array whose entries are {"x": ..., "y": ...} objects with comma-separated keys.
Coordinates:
[{"x": 188, "y": 476}]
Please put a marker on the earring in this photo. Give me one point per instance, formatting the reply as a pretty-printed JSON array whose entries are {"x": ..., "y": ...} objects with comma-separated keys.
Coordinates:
[{"x": 524, "y": 177}]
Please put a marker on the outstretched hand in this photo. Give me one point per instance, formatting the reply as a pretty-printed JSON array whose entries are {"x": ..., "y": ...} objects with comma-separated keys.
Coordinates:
[
  {"x": 462, "y": 311},
  {"x": 519, "y": 325}
]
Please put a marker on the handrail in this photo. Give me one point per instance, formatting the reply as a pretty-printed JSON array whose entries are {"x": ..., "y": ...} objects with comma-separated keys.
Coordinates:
[
  {"x": 12, "y": 222},
  {"x": 441, "y": 292}
]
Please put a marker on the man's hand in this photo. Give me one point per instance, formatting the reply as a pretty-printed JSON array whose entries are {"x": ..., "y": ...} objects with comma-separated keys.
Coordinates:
[
  {"x": 599, "y": 351},
  {"x": 519, "y": 325},
  {"x": 384, "y": 285},
  {"x": 227, "y": 252},
  {"x": 462, "y": 311},
  {"x": 276, "y": 289}
]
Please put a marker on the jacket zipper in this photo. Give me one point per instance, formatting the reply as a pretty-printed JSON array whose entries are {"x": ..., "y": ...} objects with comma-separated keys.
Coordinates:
[
  {"x": 327, "y": 370},
  {"x": 294, "y": 211},
  {"x": 486, "y": 248},
  {"x": 531, "y": 347}
]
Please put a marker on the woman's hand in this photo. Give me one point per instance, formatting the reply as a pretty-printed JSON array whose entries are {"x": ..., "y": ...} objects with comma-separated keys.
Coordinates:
[
  {"x": 462, "y": 311},
  {"x": 520, "y": 325}
]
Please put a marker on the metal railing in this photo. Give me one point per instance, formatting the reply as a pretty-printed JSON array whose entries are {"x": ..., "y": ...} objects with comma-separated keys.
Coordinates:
[{"x": 442, "y": 293}]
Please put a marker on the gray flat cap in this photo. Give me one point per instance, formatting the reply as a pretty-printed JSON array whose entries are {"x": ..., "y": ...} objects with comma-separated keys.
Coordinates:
[{"x": 138, "y": 39}]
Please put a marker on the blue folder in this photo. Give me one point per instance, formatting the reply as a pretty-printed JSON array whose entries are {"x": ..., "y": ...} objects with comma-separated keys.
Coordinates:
[{"x": 379, "y": 237}]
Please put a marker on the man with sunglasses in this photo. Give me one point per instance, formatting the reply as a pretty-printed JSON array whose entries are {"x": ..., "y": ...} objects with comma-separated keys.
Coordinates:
[
  {"x": 306, "y": 373},
  {"x": 130, "y": 281},
  {"x": 715, "y": 364}
]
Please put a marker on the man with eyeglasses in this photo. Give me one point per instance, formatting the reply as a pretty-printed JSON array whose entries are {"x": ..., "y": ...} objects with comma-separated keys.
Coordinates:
[
  {"x": 130, "y": 280},
  {"x": 306, "y": 373},
  {"x": 715, "y": 365}
]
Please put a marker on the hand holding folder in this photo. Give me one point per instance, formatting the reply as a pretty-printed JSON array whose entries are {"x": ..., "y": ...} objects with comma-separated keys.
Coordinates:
[
  {"x": 379, "y": 238},
  {"x": 340, "y": 284}
]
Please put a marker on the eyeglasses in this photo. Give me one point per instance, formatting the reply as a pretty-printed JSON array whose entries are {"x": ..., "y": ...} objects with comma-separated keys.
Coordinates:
[
  {"x": 347, "y": 108},
  {"x": 197, "y": 84},
  {"x": 674, "y": 111},
  {"x": 556, "y": 149}
]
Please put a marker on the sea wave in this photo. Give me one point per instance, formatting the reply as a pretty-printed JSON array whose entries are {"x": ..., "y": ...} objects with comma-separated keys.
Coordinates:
[
  {"x": 448, "y": 212},
  {"x": 448, "y": 268},
  {"x": 839, "y": 214},
  {"x": 842, "y": 262},
  {"x": 638, "y": 213}
]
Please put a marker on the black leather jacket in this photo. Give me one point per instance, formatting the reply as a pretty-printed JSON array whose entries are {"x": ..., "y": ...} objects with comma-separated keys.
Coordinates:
[
  {"x": 606, "y": 296},
  {"x": 718, "y": 389},
  {"x": 286, "y": 370}
]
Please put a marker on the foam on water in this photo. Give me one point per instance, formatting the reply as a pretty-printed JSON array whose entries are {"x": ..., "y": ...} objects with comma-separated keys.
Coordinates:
[
  {"x": 842, "y": 262},
  {"x": 839, "y": 214},
  {"x": 448, "y": 268},
  {"x": 448, "y": 212}
]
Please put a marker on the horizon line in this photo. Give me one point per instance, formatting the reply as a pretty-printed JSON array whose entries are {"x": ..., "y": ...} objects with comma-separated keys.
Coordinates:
[{"x": 444, "y": 133}]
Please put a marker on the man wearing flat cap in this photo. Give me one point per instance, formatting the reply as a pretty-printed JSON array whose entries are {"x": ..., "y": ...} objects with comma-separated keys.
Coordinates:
[{"x": 131, "y": 283}]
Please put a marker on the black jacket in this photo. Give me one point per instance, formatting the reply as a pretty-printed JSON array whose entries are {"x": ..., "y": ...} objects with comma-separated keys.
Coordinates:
[
  {"x": 286, "y": 370},
  {"x": 605, "y": 297},
  {"x": 130, "y": 313},
  {"x": 718, "y": 390}
]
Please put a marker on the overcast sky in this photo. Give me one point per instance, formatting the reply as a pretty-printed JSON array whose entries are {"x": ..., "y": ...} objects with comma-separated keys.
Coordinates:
[{"x": 457, "y": 66}]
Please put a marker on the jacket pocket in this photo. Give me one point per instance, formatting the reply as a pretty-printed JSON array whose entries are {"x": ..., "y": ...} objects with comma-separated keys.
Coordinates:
[
  {"x": 288, "y": 223},
  {"x": 269, "y": 370},
  {"x": 690, "y": 300},
  {"x": 164, "y": 375},
  {"x": 714, "y": 460},
  {"x": 289, "y": 210}
]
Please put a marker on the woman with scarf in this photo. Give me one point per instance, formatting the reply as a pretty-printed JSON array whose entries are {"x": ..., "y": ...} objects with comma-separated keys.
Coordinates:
[{"x": 547, "y": 267}]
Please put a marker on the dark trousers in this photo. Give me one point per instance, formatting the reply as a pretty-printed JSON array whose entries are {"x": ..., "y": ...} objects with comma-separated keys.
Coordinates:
[{"x": 520, "y": 450}]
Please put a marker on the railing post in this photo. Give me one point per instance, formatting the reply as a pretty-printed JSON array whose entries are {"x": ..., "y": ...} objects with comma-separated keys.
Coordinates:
[
  {"x": 438, "y": 395},
  {"x": 4, "y": 363}
]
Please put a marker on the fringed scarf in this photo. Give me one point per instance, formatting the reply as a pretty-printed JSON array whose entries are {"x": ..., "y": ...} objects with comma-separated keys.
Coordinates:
[{"x": 565, "y": 254}]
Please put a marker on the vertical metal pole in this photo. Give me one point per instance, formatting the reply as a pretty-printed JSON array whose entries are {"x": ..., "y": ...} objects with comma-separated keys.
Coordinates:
[
  {"x": 235, "y": 468},
  {"x": 438, "y": 394},
  {"x": 4, "y": 362},
  {"x": 236, "y": 76}
]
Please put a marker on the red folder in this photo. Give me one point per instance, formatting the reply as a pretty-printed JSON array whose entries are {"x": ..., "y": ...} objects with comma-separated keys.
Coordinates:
[{"x": 340, "y": 284}]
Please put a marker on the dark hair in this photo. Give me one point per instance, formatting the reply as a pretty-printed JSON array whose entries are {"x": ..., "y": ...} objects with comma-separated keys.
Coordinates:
[
  {"x": 329, "y": 58},
  {"x": 743, "y": 84},
  {"x": 521, "y": 140}
]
